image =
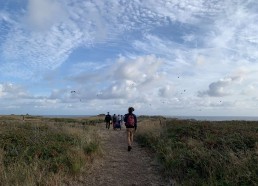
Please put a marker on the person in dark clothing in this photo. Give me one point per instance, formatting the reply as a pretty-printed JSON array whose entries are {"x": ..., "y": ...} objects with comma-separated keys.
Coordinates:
[
  {"x": 108, "y": 120},
  {"x": 114, "y": 121},
  {"x": 130, "y": 120}
]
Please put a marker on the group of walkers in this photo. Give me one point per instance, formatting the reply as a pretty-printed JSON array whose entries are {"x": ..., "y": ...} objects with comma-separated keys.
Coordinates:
[
  {"x": 130, "y": 121},
  {"x": 115, "y": 120}
]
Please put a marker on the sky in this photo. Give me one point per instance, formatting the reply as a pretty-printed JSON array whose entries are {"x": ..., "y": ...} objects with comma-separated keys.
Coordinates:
[{"x": 163, "y": 57}]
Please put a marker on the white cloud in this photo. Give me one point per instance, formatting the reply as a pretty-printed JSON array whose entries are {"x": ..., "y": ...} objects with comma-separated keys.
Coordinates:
[
  {"x": 124, "y": 79},
  {"x": 12, "y": 91},
  {"x": 234, "y": 32},
  {"x": 43, "y": 14},
  {"x": 220, "y": 88},
  {"x": 186, "y": 11},
  {"x": 5, "y": 17},
  {"x": 165, "y": 91},
  {"x": 57, "y": 30}
]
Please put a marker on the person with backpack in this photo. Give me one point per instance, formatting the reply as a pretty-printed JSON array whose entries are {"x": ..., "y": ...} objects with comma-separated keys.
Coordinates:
[
  {"x": 130, "y": 120},
  {"x": 108, "y": 120}
]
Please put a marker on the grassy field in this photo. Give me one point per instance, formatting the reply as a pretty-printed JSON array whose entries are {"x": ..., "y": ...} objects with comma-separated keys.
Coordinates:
[
  {"x": 46, "y": 151},
  {"x": 54, "y": 151},
  {"x": 202, "y": 152}
]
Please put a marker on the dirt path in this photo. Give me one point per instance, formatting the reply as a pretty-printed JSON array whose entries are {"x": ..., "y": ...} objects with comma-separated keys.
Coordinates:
[{"x": 120, "y": 167}]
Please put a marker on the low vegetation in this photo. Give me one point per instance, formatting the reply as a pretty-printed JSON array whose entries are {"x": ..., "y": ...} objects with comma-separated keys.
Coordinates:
[
  {"x": 45, "y": 151},
  {"x": 202, "y": 152},
  {"x": 54, "y": 151}
]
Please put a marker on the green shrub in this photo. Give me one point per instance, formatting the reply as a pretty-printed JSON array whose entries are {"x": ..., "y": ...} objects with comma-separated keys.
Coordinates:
[
  {"x": 91, "y": 147},
  {"x": 205, "y": 153}
]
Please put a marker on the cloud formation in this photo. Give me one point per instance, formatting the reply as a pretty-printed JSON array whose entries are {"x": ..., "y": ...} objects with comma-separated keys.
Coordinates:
[
  {"x": 177, "y": 57},
  {"x": 43, "y": 14},
  {"x": 123, "y": 79},
  {"x": 217, "y": 89}
]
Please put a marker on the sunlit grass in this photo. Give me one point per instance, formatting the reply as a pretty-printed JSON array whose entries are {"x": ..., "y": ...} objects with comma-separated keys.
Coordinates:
[{"x": 204, "y": 153}]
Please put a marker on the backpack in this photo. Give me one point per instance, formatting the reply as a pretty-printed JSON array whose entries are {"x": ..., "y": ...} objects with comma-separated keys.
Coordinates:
[{"x": 130, "y": 120}]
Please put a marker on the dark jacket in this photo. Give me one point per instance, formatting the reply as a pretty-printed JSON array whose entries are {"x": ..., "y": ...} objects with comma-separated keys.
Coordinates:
[
  {"x": 135, "y": 120},
  {"x": 108, "y": 118}
]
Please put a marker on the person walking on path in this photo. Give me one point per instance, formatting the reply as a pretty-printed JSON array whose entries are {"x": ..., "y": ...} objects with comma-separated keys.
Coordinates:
[
  {"x": 130, "y": 120},
  {"x": 107, "y": 120},
  {"x": 114, "y": 120},
  {"x": 121, "y": 119}
]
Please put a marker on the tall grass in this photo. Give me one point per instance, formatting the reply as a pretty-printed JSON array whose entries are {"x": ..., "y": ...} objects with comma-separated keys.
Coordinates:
[
  {"x": 204, "y": 153},
  {"x": 40, "y": 152}
]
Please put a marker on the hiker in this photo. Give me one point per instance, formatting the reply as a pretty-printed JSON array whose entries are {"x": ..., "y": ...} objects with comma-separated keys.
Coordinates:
[
  {"x": 117, "y": 122},
  {"x": 119, "y": 119},
  {"x": 108, "y": 120},
  {"x": 114, "y": 120},
  {"x": 130, "y": 120}
]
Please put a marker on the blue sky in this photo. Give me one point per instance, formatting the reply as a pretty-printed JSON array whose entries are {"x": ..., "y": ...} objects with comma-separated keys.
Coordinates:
[{"x": 165, "y": 57}]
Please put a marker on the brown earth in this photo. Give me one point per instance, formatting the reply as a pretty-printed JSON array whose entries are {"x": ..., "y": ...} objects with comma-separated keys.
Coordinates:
[{"x": 118, "y": 167}]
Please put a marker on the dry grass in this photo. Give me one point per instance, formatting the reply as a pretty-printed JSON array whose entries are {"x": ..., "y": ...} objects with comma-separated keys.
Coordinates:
[
  {"x": 39, "y": 151},
  {"x": 204, "y": 153}
]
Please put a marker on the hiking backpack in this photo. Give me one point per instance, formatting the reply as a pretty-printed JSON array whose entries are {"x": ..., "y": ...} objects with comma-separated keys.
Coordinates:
[{"x": 130, "y": 121}]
